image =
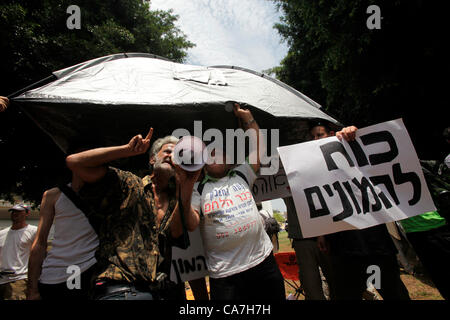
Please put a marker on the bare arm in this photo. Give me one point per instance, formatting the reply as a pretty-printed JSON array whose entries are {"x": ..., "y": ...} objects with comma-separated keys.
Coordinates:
[
  {"x": 248, "y": 122},
  {"x": 185, "y": 187},
  {"x": 39, "y": 246},
  {"x": 90, "y": 165}
]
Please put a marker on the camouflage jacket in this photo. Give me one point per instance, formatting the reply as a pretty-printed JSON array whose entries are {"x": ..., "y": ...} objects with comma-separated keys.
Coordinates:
[{"x": 133, "y": 247}]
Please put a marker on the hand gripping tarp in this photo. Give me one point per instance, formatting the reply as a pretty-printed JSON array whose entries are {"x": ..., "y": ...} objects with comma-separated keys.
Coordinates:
[{"x": 115, "y": 97}]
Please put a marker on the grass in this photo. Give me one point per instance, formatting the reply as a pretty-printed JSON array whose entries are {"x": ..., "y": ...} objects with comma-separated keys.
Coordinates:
[{"x": 419, "y": 286}]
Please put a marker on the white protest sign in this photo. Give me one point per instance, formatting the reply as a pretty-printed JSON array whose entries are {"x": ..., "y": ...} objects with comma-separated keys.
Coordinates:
[
  {"x": 189, "y": 264},
  {"x": 271, "y": 187},
  {"x": 344, "y": 185}
]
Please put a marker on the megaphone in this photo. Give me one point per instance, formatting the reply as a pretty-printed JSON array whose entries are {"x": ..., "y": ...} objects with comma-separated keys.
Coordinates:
[{"x": 189, "y": 153}]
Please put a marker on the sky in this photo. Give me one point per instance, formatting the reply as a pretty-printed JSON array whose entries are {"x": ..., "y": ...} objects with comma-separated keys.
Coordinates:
[{"x": 230, "y": 32}]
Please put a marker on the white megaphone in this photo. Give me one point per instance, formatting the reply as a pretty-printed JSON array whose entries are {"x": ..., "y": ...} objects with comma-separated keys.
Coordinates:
[{"x": 189, "y": 153}]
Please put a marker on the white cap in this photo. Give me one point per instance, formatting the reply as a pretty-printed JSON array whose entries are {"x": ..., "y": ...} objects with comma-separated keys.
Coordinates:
[{"x": 20, "y": 207}]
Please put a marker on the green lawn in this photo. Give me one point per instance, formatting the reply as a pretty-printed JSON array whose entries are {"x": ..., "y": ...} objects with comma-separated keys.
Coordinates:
[{"x": 284, "y": 242}]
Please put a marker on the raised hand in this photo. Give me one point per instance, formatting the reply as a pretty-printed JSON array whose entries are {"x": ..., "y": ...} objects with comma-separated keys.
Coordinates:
[
  {"x": 4, "y": 102},
  {"x": 139, "y": 145},
  {"x": 243, "y": 114},
  {"x": 348, "y": 133}
]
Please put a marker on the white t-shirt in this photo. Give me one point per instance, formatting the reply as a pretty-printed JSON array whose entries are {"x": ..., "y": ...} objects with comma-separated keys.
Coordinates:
[
  {"x": 15, "y": 248},
  {"x": 75, "y": 243},
  {"x": 231, "y": 226}
]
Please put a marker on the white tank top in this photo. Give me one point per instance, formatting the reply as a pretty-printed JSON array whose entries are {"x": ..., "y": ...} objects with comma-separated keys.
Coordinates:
[{"x": 74, "y": 243}]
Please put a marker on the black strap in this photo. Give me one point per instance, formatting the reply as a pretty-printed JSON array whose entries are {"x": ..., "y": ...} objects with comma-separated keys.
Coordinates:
[
  {"x": 76, "y": 200},
  {"x": 240, "y": 174},
  {"x": 200, "y": 187}
]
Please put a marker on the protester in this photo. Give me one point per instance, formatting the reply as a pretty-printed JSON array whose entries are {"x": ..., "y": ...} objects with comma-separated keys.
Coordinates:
[
  {"x": 353, "y": 251},
  {"x": 74, "y": 244},
  {"x": 309, "y": 257},
  {"x": 15, "y": 244},
  {"x": 437, "y": 176},
  {"x": 4, "y": 102},
  {"x": 238, "y": 250},
  {"x": 137, "y": 220}
]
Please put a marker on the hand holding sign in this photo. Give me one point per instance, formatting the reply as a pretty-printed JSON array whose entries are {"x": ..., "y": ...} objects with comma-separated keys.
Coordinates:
[
  {"x": 374, "y": 178},
  {"x": 347, "y": 133}
]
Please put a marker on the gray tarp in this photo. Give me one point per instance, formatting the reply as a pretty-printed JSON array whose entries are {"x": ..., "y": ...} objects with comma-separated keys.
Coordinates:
[{"x": 115, "y": 97}]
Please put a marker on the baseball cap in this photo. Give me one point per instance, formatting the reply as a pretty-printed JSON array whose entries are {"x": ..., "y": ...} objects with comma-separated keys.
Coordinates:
[{"x": 20, "y": 207}]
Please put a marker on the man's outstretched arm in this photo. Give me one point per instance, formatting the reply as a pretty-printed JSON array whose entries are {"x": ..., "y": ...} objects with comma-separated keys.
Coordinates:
[
  {"x": 90, "y": 165},
  {"x": 248, "y": 122},
  {"x": 39, "y": 247}
]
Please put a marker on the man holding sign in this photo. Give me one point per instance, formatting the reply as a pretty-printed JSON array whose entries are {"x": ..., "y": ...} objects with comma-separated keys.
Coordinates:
[{"x": 356, "y": 185}]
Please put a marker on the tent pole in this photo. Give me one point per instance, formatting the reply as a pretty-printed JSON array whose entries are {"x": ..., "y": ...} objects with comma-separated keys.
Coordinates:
[{"x": 32, "y": 86}]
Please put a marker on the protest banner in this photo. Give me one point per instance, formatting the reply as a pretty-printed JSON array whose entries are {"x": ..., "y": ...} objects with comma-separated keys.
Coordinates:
[
  {"x": 189, "y": 264},
  {"x": 269, "y": 187},
  {"x": 339, "y": 185}
]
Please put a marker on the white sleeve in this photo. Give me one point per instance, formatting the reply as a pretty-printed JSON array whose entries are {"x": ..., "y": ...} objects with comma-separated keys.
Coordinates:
[
  {"x": 32, "y": 235},
  {"x": 196, "y": 199},
  {"x": 248, "y": 172}
]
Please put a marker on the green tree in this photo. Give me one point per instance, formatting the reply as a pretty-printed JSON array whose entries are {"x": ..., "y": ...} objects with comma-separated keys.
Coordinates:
[
  {"x": 279, "y": 217},
  {"x": 365, "y": 76},
  {"x": 35, "y": 41}
]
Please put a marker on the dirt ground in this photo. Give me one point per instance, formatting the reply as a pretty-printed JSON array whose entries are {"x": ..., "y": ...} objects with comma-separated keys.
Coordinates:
[{"x": 419, "y": 286}]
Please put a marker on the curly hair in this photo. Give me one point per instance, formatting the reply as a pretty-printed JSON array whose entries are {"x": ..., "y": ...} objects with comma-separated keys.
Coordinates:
[{"x": 158, "y": 144}]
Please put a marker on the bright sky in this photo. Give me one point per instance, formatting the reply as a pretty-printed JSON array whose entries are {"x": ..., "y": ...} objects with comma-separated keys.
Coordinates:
[{"x": 230, "y": 32}]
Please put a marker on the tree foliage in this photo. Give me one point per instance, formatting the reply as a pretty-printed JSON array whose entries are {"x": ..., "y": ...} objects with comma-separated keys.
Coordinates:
[
  {"x": 278, "y": 216},
  {"x": 365, "y": 76},
  {"x": 35, "y": 41}
]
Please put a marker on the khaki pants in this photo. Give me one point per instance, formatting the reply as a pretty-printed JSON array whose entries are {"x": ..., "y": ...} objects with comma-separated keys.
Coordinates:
[{"x": 13, "y": 290}]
